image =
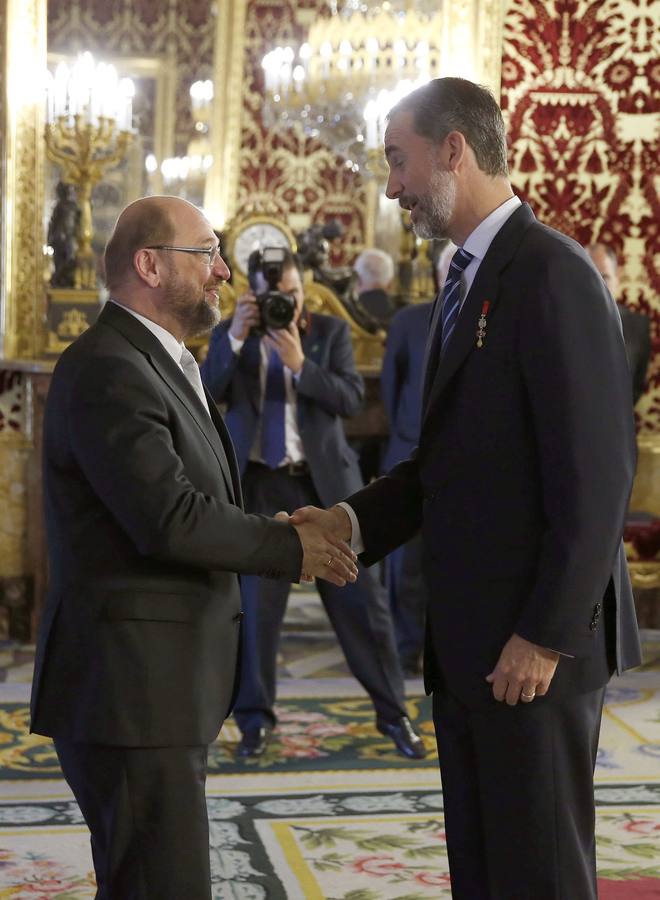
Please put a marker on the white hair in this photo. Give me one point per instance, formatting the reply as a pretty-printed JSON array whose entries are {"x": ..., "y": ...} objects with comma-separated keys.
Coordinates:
[{"x": 374, "y": 268}]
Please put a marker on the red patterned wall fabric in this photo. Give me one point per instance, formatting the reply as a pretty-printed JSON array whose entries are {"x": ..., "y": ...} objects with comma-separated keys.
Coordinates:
[
  {"x": 581, "y": 92},
  {"x": 281, "y": 166}
]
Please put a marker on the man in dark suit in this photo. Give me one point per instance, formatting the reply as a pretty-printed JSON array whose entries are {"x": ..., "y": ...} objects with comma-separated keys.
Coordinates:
[
  {"x": 311, "y": 462},
  {"x": 636, "y": 326},
  {"x": 136, "y": 656},
  {"x": 520, "y": 484},
  {"x": 401, "y": 392},
  {"x": 374, "y": 270}
]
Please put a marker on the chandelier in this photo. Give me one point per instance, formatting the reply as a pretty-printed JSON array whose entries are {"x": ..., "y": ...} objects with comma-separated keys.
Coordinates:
[
  {"x": 186, "y": 175},
  {"x": 341, "y": 82}
]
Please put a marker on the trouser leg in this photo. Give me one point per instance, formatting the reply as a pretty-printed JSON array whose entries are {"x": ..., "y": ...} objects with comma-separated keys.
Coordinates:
[
  {"x": 146, "y": 811},
  {"x": 519, "y": 805},
  {"x": 360, "y": 616},
  {"x": 264, "y": 605}
]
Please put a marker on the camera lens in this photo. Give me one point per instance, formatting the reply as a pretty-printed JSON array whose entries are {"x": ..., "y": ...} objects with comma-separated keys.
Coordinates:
[{"x": 278, "y": 310}]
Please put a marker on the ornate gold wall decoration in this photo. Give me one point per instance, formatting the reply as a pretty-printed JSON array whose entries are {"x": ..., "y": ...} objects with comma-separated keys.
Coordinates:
[
  {"x": 15, "y": 446},
  {"x": 580, "y": 86},
  {"x": 22, "y": 178},
  {"x": 13, "y": 499},
  {"x": 221, "y": 195}
]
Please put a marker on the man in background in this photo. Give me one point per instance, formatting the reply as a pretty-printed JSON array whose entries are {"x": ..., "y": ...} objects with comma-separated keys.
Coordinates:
[
  {"x": 286, "y": 390},
  {"x": 375, "y": 271},
  {"x": 636, "y": 326},
  {"x": 136, "y": 661}
]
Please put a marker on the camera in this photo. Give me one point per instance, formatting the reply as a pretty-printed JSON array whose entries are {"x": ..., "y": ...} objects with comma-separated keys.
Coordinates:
[{"x": 264, "y": 273}]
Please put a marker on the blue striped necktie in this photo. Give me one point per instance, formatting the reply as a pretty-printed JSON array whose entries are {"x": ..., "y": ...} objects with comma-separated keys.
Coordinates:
[
  {"x": 451, "y": 294},
  {"x": 273, "y": 439}
]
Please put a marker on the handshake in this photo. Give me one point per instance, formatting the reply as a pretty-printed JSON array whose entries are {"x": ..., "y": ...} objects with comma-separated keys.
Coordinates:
[{"x": 324, "y": 534}]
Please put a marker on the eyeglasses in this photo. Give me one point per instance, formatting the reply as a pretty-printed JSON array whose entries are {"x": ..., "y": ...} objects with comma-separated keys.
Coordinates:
[{"x": 212, "y": 254}]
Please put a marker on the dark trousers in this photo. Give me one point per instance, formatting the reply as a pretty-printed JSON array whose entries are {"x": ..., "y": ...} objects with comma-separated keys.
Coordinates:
[
  {"x": 146, "y": 810},
  {"x": 358, "y": 613},
  {"x": 408, "y": 596},
  {"x": 518, "y": 797}
]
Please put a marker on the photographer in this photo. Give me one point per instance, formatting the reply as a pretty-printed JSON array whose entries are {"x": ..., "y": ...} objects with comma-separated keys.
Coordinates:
[{"x": 286, "y": 389}]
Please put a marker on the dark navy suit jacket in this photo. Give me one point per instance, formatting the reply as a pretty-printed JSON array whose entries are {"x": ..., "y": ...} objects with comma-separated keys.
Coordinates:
[
  {"x": 329, "y": 388},
  {"x": 401, "y": 380},
  {"x": 521, "y": 479}
]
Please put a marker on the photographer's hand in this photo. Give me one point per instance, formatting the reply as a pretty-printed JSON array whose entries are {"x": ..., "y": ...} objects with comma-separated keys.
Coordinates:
[
  {"x": 246, "y": 316},
  {"x": 286, "y": 342}
]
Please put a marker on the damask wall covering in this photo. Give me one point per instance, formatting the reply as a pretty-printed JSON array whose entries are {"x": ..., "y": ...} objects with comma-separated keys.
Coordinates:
[{"x": 581, "y": 91}]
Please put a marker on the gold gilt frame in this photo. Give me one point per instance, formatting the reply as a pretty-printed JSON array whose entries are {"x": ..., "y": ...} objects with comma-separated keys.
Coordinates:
[{"x": 22, "y": 295}]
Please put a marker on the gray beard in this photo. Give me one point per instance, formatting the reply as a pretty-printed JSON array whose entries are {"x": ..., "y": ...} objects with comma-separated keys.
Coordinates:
[
  {"x": 437, "y": 208},
  {"x": 203, "y": 320}
]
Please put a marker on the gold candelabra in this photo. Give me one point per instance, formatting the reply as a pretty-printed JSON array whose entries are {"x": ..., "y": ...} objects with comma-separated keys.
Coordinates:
[{"x": 85, "y": 150}]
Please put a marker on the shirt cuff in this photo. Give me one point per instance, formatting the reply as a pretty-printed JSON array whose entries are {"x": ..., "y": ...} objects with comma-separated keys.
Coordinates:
[
  {"x": 356, "y": 543},
  {"x": 236, "y": 343}
]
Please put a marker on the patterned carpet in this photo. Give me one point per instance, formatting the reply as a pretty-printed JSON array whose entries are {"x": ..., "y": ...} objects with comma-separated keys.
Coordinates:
[{"x": 332, "y": 812}]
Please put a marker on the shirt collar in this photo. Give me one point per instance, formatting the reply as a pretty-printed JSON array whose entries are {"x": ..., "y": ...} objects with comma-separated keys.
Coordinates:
[
  {"x": 166, "y": 338},
  {"x": 481, "y": 238}
]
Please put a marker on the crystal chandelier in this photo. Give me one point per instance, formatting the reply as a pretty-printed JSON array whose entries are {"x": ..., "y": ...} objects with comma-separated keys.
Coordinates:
[
  {"x": 186, "y": 175},
  {"x": 342, "y": 81}
]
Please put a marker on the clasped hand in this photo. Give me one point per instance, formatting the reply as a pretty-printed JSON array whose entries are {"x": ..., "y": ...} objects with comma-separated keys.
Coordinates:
[{"x": 325, "y": 551}]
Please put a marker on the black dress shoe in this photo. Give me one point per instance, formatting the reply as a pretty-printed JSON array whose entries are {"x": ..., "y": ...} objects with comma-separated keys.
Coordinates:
[
  {"x": 254, "y": 741},
  {"x": 405, "y": 738}
]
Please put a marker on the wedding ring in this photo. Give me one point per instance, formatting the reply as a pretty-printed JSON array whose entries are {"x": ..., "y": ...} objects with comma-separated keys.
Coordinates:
[
  {"x": 330, "y": 561},
  {"x": 528, "y": 697}
]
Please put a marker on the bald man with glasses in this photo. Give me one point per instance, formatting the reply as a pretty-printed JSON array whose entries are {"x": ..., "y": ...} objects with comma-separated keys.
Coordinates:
[{"x": 136, "y": 663}]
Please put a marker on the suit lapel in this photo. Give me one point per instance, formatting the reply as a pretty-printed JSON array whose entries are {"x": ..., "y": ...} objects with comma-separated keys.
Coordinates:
[
  {"x": 168, "y": 371},
  {"x": 432, "y": 338},
  {"x": 228, "y": 448},
  {"x": 485, "y": 287}
]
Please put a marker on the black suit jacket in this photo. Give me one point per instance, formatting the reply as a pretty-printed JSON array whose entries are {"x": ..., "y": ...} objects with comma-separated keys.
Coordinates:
[
  {"x": 378, "y": 304},
  {"x": 139, "y": 636},
  {"x": 329, "y": 388},
  {"x": 637, "y": 338},
  {"x": 522, "y": 475}
]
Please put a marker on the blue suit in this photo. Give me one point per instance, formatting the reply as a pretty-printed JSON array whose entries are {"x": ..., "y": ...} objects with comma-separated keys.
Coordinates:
[
  {"x": 329, "y": 388},
  {"x": 401, "y": 390}
]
